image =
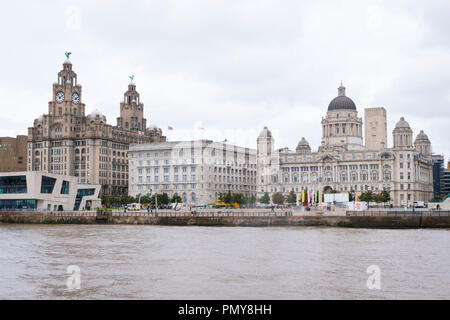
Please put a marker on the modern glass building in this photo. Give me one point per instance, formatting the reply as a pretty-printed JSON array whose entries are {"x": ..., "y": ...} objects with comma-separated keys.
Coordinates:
[
  {"x": 438, "y": 174},
  {"x": 46, "y": 191}
]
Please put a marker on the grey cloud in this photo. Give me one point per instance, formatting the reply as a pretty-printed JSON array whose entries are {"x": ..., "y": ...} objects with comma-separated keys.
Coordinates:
[{"x": 235, "y": 64}]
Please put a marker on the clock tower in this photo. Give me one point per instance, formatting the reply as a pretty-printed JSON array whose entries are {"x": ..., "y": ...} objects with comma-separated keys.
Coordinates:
[
  {"x": 66, "y": 99},
  {"x": 132, "y": 110},
  {"x": 67, "y": 141}
]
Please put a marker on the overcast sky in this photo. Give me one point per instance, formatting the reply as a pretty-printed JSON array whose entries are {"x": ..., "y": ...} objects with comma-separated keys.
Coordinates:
[{"x": 232, "y": 67}]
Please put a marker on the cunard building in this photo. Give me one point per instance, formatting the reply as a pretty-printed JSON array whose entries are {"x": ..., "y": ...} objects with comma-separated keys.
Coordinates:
[
  {"x": 345, "y": 161},
  {"x": 66, "y": 141}
]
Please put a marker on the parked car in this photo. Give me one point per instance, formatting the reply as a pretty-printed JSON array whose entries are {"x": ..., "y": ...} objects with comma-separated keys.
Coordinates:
[{"x": 419, "y": 204}]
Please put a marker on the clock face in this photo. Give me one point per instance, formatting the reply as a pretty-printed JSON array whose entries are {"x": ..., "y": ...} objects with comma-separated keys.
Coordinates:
[
  {"x": 59, "y": 97},
  {"x": 75, "y": 98}
]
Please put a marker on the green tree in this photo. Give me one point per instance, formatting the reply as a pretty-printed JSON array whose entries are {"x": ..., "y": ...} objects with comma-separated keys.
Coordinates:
[
  {"x": 126, "y": 200},
  {"x": 145, "y": 199},
  {"x": 386, "y": 195},
  {"x": 367, "y": 196},
  {"x": 278, "y": 198},
  {"x": 350, "y": 195},
  {"x": 378, "y": 197},
  {"x": 238, "y": 197},
  {"x": 265, "y": 198},
  {"x": 176, "y": 198},
  {"x": 228, "y": 197},
  {"x": 162, "y": 198},
  {"x": 292, "y": 197},
  {"x": 252, "y": 199}
]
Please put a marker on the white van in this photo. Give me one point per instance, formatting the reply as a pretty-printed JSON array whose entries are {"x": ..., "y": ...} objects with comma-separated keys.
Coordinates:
[
  {"x": 134, "y": 206},
  {"x": 419, "y": 204}
]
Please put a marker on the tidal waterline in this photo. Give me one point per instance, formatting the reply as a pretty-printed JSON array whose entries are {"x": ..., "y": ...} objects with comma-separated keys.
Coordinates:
[{"x": 159, "y": 262}]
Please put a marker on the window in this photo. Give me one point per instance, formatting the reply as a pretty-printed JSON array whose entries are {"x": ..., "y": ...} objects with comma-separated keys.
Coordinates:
[
  {"x": 13, "y": 184},
  {"x": 65, "y": 187},
  {"x": 80, "y": 194},
  {"x": 18, "y": 204},
  {"x": 47, "y": 184}
]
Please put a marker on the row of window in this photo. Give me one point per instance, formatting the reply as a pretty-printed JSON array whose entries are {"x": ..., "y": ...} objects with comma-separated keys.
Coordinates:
[{"x": 167, "y": 170}]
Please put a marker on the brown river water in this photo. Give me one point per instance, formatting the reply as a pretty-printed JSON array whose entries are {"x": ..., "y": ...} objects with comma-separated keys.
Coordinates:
[{"x": 157, "y": 262}]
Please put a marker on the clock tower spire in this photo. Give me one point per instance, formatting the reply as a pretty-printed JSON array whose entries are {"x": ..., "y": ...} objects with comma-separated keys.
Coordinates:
[
  {"x": 132, "y": 110},
  {"x": 66, "y": 93}
]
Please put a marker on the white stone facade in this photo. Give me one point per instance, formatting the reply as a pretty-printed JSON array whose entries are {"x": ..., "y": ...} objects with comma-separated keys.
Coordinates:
[
  {"x": 343, "y": 163},
  {"x": 198, "y": 171}
]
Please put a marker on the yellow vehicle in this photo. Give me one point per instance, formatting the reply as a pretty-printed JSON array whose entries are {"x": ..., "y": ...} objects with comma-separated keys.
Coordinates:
[{"x": 221, "y": 204}]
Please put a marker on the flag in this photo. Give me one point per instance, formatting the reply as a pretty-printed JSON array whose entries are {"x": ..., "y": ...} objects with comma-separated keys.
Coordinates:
[{"x": 170, "y": 128}]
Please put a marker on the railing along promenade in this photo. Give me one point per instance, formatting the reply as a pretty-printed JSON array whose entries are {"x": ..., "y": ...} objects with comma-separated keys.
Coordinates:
[{"x": 239, "y": 213}]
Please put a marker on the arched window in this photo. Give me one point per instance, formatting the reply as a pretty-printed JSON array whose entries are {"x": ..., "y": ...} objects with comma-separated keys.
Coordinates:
[
  {"x": 364, "y": 176},
  {"x": 374, "y": 175}
]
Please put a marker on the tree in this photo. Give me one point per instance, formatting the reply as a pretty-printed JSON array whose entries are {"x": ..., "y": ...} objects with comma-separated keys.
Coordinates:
[
  {"x": 350, "y": 195},
  {"x": 252, "y": 199},
  {"x": 237, "y": 197},
  {"x": 367, "y": 196},
  {"x": 127, "y": 200},
  {"x": 265, "y": 198},
  {"x": 176, "y": 198},
  {"x": 292, "y": 197},
  {"x": 278, "y": 198},
  {"x": 379, "y": 197},
  {"x": 227, "y": 197},
  {"x": 386, "y": 195},
  {"x": 163, "y": 198},
  {"x": 145, "y": 199}
]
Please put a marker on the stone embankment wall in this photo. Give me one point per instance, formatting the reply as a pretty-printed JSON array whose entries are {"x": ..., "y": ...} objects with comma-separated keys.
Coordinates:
[{"x": 368, "y": 220}]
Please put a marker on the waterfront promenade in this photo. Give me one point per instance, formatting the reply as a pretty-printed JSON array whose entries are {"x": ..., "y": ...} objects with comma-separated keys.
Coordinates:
[{"x": 390, "y": 219}]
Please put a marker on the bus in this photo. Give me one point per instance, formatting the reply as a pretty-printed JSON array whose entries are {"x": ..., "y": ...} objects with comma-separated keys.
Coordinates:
[{"x": 221, "y": 204}]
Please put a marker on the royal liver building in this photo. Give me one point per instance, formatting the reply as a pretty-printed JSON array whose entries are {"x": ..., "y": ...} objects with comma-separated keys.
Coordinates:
[
  {"x": 344, "y": 161},
  {"x": 66, "y": 141}
]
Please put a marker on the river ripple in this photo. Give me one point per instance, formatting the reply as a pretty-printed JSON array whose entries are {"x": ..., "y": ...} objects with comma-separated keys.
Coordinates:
[{"x": 157, "y": 262}]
